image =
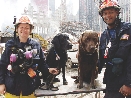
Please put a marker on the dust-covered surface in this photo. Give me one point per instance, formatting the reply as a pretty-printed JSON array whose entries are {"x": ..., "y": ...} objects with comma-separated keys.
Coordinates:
[{"x": 71, "y": 90}]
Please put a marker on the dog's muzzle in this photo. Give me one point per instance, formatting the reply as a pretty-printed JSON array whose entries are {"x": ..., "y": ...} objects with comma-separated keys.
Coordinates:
[
  {"x": 93, "y": 49},
  {"x": 69, "y": 46}
]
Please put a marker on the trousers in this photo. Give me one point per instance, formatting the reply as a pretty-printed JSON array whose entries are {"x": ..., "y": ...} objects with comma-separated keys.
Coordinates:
[{"x": 8, "y": 95}]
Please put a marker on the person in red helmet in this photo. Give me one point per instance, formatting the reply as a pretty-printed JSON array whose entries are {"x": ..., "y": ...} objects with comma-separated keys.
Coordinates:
[
  {"x": 115, "y": 52},
  {"x": 21, "y": 62}
]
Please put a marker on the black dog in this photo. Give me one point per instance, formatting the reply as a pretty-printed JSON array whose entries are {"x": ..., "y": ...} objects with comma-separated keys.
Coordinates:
[{"x": 57, "y": 54}]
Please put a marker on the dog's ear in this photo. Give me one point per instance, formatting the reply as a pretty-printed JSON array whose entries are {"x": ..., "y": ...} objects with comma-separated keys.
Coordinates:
[
  {"x": 56, "y": 42},
  {"x": 97, "y": 40},
  {"x": 80, "y": 39}
]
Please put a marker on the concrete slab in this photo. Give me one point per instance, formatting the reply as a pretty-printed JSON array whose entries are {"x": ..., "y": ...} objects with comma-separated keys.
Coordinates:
[{"x": 71, "y": 88}]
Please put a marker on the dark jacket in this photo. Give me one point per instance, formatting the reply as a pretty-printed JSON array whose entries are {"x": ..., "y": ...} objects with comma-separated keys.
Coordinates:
[
  {"x": 120, "y": 48},
  {"x": 17, "y": 83}
]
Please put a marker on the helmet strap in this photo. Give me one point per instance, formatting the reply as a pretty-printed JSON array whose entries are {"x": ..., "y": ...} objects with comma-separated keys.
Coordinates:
[{"x": 15, "y": 27}]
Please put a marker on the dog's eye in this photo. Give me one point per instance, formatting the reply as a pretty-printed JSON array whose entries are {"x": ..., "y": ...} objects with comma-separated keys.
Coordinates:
[{"x": 87, "y": 39}]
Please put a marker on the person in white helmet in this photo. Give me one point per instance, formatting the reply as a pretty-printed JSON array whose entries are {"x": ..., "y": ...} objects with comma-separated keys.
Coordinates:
[
  {"x": 115, "y": 52},
  {"x": 21, "y": 62}
]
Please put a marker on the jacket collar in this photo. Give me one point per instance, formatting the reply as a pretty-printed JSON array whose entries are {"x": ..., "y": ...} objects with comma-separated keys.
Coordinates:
[
  {"x": 124, "y": 26},
  {"x": 120, "y": 28}
]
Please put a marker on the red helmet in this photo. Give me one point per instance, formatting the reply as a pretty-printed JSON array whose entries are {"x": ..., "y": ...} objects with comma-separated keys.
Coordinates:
[
  {"x": 24, "y": 19},
  {"x": 108, "y": 4}
]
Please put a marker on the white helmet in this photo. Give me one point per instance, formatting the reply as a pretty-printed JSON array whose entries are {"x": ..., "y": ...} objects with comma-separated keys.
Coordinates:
[
  {"x": 24, "y": 19},
  {"x": 109, "y": 4}
]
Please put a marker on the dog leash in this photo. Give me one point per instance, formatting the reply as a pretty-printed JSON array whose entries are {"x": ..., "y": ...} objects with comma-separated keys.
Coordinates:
[{"x": 51, "y": 76}]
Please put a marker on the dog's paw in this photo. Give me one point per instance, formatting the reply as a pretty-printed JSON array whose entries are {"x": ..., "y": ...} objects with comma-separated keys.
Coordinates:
[
  {"x": 79, "y": 86},
  {"x": 65, "y": 83},
  {"x": 76, "y": 81},
  {"x": 93, "y": 87}
]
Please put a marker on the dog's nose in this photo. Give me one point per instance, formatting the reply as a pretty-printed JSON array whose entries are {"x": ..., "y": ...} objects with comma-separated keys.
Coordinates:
[{"x": 70, "y": 46}]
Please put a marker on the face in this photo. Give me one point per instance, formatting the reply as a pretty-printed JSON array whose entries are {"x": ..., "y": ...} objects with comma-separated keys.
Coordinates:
[
  {"x": 109, "y": 16},
  {"x": 65, "y": 42},
  {"x": 89, "y": 41},
  {"x": 61, "y": 41},
  {"x": 24, "y": 31}
]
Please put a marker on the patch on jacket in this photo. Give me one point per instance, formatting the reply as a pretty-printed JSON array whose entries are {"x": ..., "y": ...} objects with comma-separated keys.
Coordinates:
[{"x": 124, "y": 37}]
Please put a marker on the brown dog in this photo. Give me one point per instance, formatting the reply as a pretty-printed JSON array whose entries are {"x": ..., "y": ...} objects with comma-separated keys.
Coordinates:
[{"x": 87, "y": 58}]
